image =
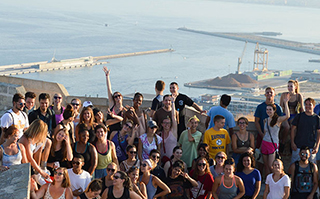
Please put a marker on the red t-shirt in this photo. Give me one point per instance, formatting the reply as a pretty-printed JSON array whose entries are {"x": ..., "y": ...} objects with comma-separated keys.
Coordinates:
[{"x": 205, "y": 182}]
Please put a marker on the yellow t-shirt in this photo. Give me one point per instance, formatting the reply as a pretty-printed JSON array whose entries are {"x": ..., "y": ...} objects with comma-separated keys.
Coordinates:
[{"x": 216, "y": 140}]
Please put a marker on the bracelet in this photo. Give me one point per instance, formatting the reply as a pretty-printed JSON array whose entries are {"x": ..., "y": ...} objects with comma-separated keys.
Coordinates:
[{"x": 188, "y": 128}]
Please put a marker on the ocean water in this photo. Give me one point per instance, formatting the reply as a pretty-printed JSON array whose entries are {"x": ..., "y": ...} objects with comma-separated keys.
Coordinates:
[{"x": 33, "y": 31}]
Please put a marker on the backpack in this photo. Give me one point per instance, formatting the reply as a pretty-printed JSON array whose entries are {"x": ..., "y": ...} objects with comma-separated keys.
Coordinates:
[{"x": 303, "y": 182}]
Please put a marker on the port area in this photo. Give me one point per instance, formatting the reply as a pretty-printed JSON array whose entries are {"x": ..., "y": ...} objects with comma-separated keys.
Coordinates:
[
  {"x": 54, "y": 64},
  {"x": 312, "y": 48}
]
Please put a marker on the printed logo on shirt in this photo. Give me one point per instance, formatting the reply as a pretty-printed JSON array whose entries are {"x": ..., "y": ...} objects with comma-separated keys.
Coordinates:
[
  {"x": 218, "y": 136},
  {"x": 218, "y": 142},
  {"x": 181, "y": 102}
]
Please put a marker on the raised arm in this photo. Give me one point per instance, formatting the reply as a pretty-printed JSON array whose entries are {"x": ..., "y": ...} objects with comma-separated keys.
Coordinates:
[
  {"x": 286, "y": 98},
  {"x": 115, "y": 118},
  {"x": 174, "y": 119},
  {"x": 110, "y": 97}
]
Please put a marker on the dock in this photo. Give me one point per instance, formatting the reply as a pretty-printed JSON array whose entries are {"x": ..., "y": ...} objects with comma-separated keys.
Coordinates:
[
  {"x": 312, "y": 48},
  {"x": 43, "y": 66}
]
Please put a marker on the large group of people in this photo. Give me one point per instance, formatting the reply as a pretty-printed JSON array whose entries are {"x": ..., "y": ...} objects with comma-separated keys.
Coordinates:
[{"x": 80, "y": 151}]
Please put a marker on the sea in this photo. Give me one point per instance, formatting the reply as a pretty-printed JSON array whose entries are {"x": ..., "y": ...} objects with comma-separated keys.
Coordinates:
[{"x": 37, "y": 30}]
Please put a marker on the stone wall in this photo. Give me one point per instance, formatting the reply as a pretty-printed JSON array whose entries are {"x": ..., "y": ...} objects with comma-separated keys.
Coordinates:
[
  {"x": 6, "y": 93},
  {"x": 14, "y": 183}
]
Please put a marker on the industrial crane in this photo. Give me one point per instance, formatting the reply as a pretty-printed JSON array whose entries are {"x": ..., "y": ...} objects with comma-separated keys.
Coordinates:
[{"x": 240, "y": 58}]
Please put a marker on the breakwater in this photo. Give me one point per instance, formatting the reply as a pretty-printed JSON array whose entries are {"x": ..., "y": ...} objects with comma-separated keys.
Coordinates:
[{"x": 312, "y": 48}]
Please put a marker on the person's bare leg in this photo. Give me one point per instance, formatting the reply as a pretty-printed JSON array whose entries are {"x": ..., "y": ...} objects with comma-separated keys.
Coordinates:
[{"x": 45, "y": 153}]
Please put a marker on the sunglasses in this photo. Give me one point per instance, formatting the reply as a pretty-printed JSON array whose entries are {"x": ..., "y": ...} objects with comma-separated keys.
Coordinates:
[
  {"x": 117, "y": 96},
  {"x": 130, "y": 127},
  {"x": 242, "y": 123},
  {"x": 56, "y": 97},
  {"x": 156, "y": 157},
  {"x": 132, "y": 152},
  {"x": 75, "y": 104},
  {"x": 144, "y": 165},
  {"x": 113, "y": 170},
  {"x": 219, "y": 157},
  {"x": 22, "y": 104},
  {"x": 58, "y": 173},
  {"x": 117, "y": 177},
  {"x": 77, "y": 163},
  {"x": 202, "y": 164},
  {"x": 304, "y": 154}
]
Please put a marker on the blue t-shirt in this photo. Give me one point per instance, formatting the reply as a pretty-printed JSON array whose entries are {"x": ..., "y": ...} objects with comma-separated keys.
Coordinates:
[
  {"x": 249, "y": 181},
  {"x": 218, "y": 110},
  {"x": 262, "y": 113},
  {"x": 316, "y": 109}
]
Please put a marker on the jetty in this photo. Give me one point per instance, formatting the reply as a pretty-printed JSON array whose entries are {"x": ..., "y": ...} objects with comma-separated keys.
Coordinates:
[
  {"x": 54, "y": 64},
  {"x": 312, "y": 48}
]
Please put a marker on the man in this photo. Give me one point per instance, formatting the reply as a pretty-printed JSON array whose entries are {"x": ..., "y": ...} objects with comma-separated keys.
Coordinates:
[
  {"x": 180, "y": 101},
  {"x": 30, "y": 102},
  {"x": 165, "y": 111},
  {"x": 15, "y": 116},
  {"x": 44, "y": 113},
  {"x": 261, "y": 113},
  {"x": 217, "y": 138},
  {"x": 158, "y": 170},
  {"x": 304, "y": 175},
  {"x": 157, "y": 101},
  {"x": 222, "y": 110},
  {"x": 79, "y": 178},
  {"x": 305, "y": 131}
]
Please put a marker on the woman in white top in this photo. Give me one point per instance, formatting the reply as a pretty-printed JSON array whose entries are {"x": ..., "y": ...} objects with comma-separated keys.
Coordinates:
[{"x": 277, "y": 183}]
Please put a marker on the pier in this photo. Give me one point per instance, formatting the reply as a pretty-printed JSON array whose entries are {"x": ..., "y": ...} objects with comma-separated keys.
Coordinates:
[
  {"x": 43, "y": 66},
  {"x": 312, "y": 48}
]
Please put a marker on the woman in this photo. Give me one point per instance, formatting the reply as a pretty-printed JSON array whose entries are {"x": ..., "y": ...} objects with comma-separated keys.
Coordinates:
[
  {"x": 204, "y": 179},
  {"x": 270, "y": 139},
  {"x": 92, "y": 191},
  {"x": 115, "y": 102},
  {"x": 218, "y": 169},
  {"x": 106, "y": 151},
  {"x": 67, "y": 122},
  {"x": 57, "y": 107},
  {"x": 132, "y": 160},
  {"x": 76, "y": 104},
  {"x": 295, "y": 105},
  {"x": 59, "y": 188},
  {"x": 203, "y": 152},
  {"x": 122, "y": 139},
  {"x": 250, "y": 176},
  {"x": 86, "y": 121},
  {"x": 277, "y": 183},
  {"x": 178, "y": 181},
  {"x": 242, "y": 141},
  {"x": 138, "y": 187},
  {"x": 33, "y": 139},
  {"x": 107, "y": 180},
  {"x": 99, "y": 118},
  {"x": 228, "y": 184},
  {"x": 169, "y": 134},
  {"x": 189, "y": 140},
  {"x": 60, "y": 152},
  {"x": 121, "y": 189},
  {"x": 151, "y": 181},
  {"x": 87, "y": 150},
  {"x": 176, "y": 155},
  {"x": 11, "y": 152},
  {"x": 148, "y": 141}
]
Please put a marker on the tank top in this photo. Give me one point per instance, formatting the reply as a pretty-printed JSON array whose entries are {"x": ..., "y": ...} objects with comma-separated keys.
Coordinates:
[
  {"x": 48, "y": 195},
  {"x": 274, "y": 131},
  {"x": 120, "y": 146},
  {"x": 142, "y": 126},
  {"x": 8, "y": 160},
  {"x": 59, "y": 117},
  {"x": 293, "y": 105},
  {"x": 58, "y": 157},
  {"x": 116, "y": 126},
  {"x": 303, "y": 181},
  {"x": 104, "y": 158},
  {"x": 125, "y": 195},
  {"x": 168, "y": 144},
  {"x": 71, "y": 134},
  {"x": 241, "y": 143},
  {"x": 151, "y": 190},
  {"x": 86, "y": 155},
  {"x": 227, "y": 192}
]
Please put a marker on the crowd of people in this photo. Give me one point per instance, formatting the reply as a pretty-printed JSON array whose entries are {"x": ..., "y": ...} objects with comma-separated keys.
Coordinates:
[{"x": 80, "y": 151}]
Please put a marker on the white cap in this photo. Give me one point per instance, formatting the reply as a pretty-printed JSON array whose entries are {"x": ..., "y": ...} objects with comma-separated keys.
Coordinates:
[{"x": 87, "y": 103}]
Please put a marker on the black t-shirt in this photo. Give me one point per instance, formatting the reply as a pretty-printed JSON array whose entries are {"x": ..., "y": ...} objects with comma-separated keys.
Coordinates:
[
  {"x": 178, "y": 187},
  {"x": 307, "y": 127},
  {"x": 157, "y": 102},
  {"x": 181, "y": 101}
]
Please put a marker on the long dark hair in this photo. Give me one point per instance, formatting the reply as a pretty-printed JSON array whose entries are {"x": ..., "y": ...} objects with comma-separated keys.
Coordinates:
[
  {"x": 275, "y": 115},
  {"x": 240, "y": 166},
  {"x": 205, "y": 147},
  {"x": 127, "y": 182},
  {"x": 196, "y": 170},
  {"x": 174, "y": 150}
]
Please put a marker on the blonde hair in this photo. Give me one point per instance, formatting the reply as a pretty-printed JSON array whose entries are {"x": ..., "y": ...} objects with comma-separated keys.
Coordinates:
[
  {"x": 195, "y": 118},
  {"x": 38, "y": 131},
  {"x": 66, "y": 181}
]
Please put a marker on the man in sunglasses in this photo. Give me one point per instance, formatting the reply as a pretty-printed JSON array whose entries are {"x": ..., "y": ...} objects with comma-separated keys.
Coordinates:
[
  {"x": 15, "y": 116},
  {"x": 304, "y": 175},
  {"x": 158, "y": 170},
  {"x": 79, "y": 178}
]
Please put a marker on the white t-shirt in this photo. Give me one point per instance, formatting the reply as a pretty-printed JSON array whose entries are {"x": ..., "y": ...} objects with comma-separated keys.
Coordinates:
[
  {"x": 82, "y": 180},
  {"x": 276, "y": 189},
  {"x": 19, "y": 120}
]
